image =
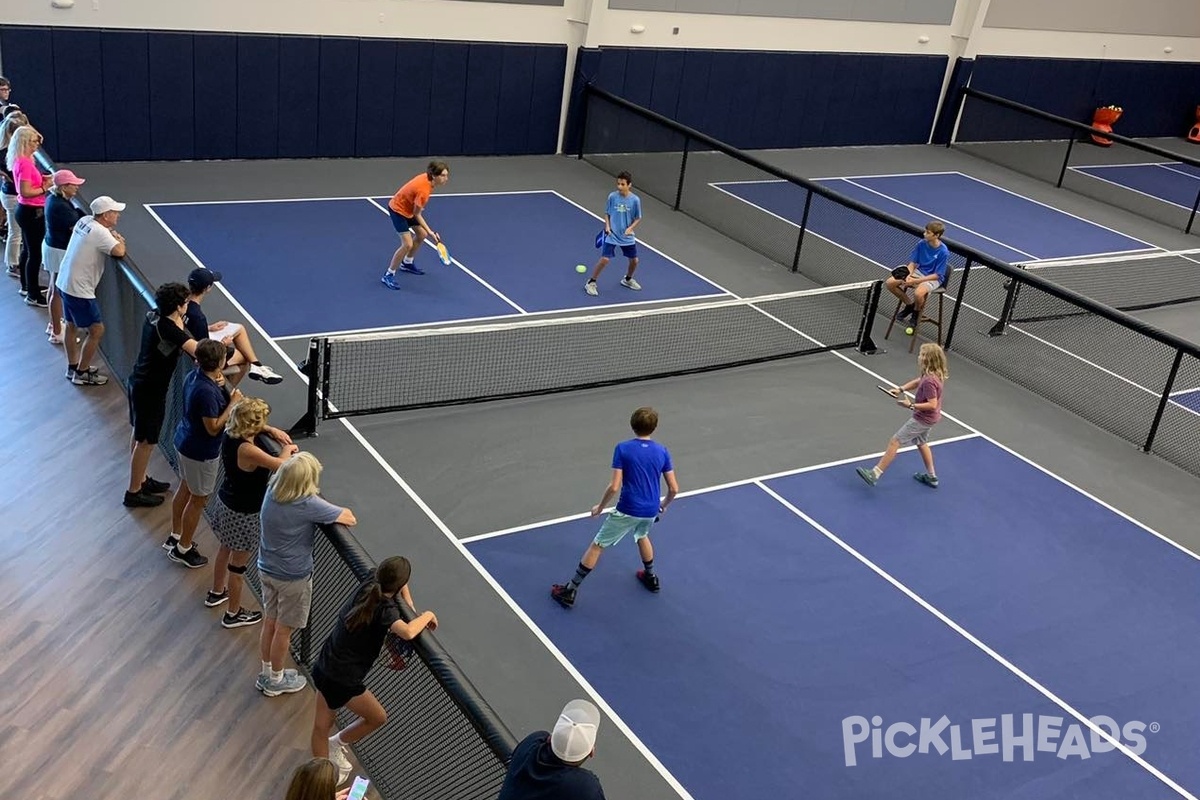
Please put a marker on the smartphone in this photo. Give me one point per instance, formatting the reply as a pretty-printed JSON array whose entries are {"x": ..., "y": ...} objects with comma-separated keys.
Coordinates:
[{"x": 359, "y": 790}]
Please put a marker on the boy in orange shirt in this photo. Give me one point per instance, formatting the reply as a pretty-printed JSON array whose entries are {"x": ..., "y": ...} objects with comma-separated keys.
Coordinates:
[{"x": 406, "y": 210}]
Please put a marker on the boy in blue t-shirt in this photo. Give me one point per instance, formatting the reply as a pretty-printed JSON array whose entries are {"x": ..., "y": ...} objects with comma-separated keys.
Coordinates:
[
  {"x": 928, "y": 268},
  {"x": 638, "y": 466},
  {"x": 622, "y": 215}
]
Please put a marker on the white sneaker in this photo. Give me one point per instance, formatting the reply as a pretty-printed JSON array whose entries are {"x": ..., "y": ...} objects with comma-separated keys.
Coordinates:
[
  {"x": 590, "y": 288},
  {"x": 337, "y": 754},
  {"x": 630, "y": 283},
  {"x": 261, "y": 372}
]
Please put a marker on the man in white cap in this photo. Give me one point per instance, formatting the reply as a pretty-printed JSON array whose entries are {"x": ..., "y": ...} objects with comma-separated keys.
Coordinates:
[
  {"x": 549, "y": 766},
  {"x": 93, "y": 239}
]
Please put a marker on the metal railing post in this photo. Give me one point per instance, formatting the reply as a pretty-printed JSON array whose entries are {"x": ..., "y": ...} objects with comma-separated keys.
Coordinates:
[{"x": 1162, "y": 401}]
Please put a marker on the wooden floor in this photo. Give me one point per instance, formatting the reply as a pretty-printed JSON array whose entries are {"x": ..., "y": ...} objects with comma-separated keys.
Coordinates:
[{"x": 115, "y": 680}]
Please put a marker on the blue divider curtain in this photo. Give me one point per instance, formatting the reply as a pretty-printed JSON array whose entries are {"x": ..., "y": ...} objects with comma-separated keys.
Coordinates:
[{"x": 109, "y": 95}]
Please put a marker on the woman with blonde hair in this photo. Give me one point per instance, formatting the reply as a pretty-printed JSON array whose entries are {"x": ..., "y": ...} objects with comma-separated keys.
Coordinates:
[
  {"x": 246, "y": 457},
  {"x": 32, "y": 188},
  {"x": 315, "y": 780},
  {"x": 926, "y": 406},
  {"x": 291, "y": 511},
  {"x": 8, "y": 198}
]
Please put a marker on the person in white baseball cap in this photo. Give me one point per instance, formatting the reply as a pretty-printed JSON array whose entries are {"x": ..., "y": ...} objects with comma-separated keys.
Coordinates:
[
  {"x": 103, "y": 204},
  {"x": 549, "y": 765}
]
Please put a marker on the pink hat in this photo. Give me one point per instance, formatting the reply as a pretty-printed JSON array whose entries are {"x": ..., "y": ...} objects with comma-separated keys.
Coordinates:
[{"x": 64, "y": 177}]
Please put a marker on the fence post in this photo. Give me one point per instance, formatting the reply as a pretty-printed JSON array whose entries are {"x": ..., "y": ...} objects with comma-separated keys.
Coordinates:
[
  {"x": 1162, "y": 401},
  {"x": 803, "y": 228},
  {"x": 866, "y": 344},
  {"x": 583, "y": 120},
  {"x": 307, "y": 424},
  {"x": 687, "y": 144},
  {"x": 1062, "y": 173},
  {"x": 958, "y": 300},
  {"x": 1013, "y": 288},
  {"x": 1192, "y": 218}
]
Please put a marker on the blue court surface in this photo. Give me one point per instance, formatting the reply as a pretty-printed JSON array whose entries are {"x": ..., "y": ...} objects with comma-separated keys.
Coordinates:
[
  {"x": 1171, "y": 182},
  {"x": 304, "y": 267},
  {"x": 813, "y": 632},
  {"x": 1003, "y": 224},
  {"x": 1188, "y": 398}
]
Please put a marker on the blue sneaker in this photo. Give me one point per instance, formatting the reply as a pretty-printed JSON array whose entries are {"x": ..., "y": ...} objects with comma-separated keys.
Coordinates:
[
  {"x": 389, "y": 280},
  {"x": 412, "y": 269},
  {"x": 929, "y": 480},
  {"x": 868, "y": 475}
]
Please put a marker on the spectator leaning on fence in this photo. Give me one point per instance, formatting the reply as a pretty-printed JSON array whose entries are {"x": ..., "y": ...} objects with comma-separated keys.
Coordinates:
[
  {"x": 291, "y": 512},
  {"x": 93, "y": 239},
  {"x": 8, "y": 198},
  {"x": 206, "y": 408},
  {"x": 61, "y": 216},
  {"x": 163, "y": 339},
  {"x": 549, "y": 765},
  {"x": 32, "y": 188},
  {"x": 246, "y": 455}
]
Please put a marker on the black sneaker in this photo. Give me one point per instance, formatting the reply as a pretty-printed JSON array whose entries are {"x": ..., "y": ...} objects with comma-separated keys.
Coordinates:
[
  {"x": 649, "y": 581},
  {"x": 191, "y": 559},
  {"x": 907, "y": 312},
  {"x": 564, "y": 595},
  {"x": 241, "y": 619},
  {"x": 172, "y": 540},
  {"x": 214, "y": 599},
  {"x": 151, "y": 486},
  {"x": 142, "y": 500}
]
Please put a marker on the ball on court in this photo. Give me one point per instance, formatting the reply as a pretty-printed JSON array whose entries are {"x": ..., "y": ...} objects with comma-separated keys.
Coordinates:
[
  {"x": 909, "y": 331},
  {"x": 580, "y": 268}
]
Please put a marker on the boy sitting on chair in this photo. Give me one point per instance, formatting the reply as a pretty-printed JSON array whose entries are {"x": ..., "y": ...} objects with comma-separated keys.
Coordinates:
[{"x": 928, "y": 268}]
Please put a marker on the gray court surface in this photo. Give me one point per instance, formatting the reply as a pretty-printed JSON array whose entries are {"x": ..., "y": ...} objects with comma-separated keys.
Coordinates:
[{"x": 487, "y": 467}]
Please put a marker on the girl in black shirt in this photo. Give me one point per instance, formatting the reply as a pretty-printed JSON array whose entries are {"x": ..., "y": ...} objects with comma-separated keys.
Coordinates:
[{"x": 351, "y": 650}]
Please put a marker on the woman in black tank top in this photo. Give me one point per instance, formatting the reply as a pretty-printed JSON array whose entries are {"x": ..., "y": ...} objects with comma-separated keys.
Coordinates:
[{"x": 250, "y": 452}]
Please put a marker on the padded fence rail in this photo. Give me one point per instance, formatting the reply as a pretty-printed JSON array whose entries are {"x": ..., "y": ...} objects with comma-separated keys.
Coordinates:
[
  {"x": 446, "y": 742},
  {"x": 1128, "y": 377},
  {"x": 1149, "y": 180}
]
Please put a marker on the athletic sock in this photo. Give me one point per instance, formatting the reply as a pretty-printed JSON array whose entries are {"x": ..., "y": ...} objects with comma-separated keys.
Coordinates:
[
  {"x": 266, "y": 669},
  {"x": 256, "y": 363},
  {"x": 391, "y": 271},
  {"x": 276, "y": 675},
  {"x": 878, "y": 472},
  {"x": 649, "y": 567},
  {"x": 591, "y": 280},
  {"x": 408, "y": 261},
  {"x": 581, "y": 572}
]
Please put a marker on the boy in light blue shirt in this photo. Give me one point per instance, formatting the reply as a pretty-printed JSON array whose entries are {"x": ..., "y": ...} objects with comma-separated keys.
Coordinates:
[
  {"x": 622, "y": 215},
  {"x": 639, "y": 465}
]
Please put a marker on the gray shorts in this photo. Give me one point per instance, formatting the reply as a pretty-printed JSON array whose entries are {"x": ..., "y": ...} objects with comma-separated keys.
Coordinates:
[
  {"x": 913, "y": 432},
  {"x": 200, "y": 476},
  {"x": 911, "y": 291},
  {"x": 287, "y": 602}
]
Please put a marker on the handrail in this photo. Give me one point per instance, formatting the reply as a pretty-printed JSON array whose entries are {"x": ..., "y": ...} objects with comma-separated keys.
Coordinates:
[
  {"x": 1082, "y": 127},
  {"x": 1004, "y": 268}
]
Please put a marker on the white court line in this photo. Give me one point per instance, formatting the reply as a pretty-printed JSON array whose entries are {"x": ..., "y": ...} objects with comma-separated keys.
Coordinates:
[
  {"x": 652, "y": 248},
  {"x": 323, "y": 199},
  {"x": 949, "y": 221},
  {"x": 516, "y": 609},
  {"x": 964, "y": 633},
  {"x": 450, "y": 323},
  {"x": 714, "y": 488},
  {"x": 461, "y": 266},
  {"x": 1083, "y": 171},
  {"x": 1113, "y": 254},
  {"x": 1170, "y": 167},
  {"x": 1011, "y": 326}
]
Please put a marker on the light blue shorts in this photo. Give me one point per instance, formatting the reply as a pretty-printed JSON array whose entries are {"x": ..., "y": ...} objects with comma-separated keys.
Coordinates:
[{"x": 617, "y": 525}]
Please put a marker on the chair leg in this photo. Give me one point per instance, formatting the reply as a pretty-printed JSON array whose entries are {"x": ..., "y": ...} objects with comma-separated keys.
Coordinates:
[
  {"x": 892, "y": 323},
  {"x": 941, "y": 316}
]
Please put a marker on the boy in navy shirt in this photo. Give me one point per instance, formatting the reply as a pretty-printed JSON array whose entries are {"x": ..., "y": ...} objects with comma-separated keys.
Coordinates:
[
  {"x": 928, "y": 268},
  {"x": 638, "y": 465},
  {"x": 622, "y": 214}
]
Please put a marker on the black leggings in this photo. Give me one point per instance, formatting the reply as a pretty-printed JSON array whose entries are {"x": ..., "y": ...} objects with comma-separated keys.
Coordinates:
[{"x": 32, "y": 222}]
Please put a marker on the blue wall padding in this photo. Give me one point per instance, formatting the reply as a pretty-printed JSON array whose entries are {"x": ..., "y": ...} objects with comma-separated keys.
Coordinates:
[
  {"x": 172, "y": 106},
  {"x": 481, "y": 98},
  {"x": 216, "y": 107},
  {"x": 447, "y": 110},
  {"x": 1159, "y": 98},
  {"x": 299, "y": 67},
  {"x": 80, "y": 105},
  {"x": 29, "y": 64},
  {"x": 258, "y": 100},
  {"x": 337, "y": 84},
  {"x": 376, "y": 97},
  {"x": 126, "y": 88},
  {"x": 414, "y": 96}
]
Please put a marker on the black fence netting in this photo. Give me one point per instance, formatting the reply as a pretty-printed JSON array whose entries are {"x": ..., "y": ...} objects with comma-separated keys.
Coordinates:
[{"x": 1110, "y": 368}]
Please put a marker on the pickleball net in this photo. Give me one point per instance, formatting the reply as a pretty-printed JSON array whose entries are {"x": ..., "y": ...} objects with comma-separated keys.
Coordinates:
[
  {"x": 428, "y": 367},
  {"x": 1131, "y": 282}
]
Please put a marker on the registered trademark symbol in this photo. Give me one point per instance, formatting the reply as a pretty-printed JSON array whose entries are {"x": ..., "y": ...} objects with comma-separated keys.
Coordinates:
[{"x": 1155, "y": 727}]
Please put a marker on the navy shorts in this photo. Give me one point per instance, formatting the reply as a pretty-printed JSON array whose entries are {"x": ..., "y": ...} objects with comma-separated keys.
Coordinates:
[
  {"x": 80, "y": 311},
  {"x": 147, "y": 411},
  {"x": 336, "y": 694},
  {"x": 627, "y": 250},
  {"x": 401, "y": 223}
]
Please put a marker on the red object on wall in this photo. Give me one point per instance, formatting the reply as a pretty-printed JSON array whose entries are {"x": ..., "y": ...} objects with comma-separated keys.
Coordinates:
[
  {"x": 1194, "y": 133},
  {"x": 1104, "y": 119}
]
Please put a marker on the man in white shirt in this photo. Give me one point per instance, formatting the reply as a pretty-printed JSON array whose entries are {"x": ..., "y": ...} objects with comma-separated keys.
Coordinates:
[{"x": 93, "y": 240}]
